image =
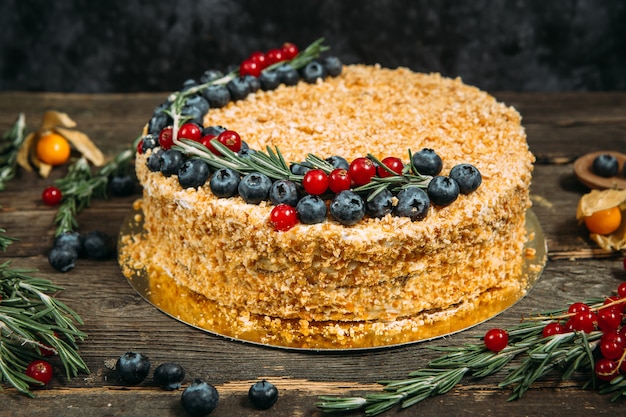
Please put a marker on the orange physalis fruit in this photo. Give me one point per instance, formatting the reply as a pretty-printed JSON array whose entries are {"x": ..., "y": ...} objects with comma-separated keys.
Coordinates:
[
  {"x": 53, "y": 149},
  {"x": 605, "y": 221}
]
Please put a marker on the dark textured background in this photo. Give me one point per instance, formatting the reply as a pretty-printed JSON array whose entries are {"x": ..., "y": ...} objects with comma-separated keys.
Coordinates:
[{"x": 141, "y": 45}]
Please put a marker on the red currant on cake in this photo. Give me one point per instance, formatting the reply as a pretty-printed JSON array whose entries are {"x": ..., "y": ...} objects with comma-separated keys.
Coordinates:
[
  {"x": 51, "y": 196},
  {"x": 283, "y": 217},
  {"x": 39, "y": 370},
  {"x": 259, "y": 58},
  {"x": 230, "y": 139},
  {"x": 249, "y": 67},
  {"x": 166, "y": 137},
  {"x": 393, "y": 163},
  {"x": 361, "y": 171},
  {"x": 189, "y": 131},
  {"x": 496, "y": 340},
  {"x": 289, "y": 50},
  {"x": 315, "y": 182},
  {"x": 274, "y": 56},
  {"x": 339, "y": 180}
]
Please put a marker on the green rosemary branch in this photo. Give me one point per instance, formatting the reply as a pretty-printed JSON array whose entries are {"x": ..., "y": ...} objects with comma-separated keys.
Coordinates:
[
  {"x": 32, "y": 321},
  {"x": 569, "y": 352},
  {"x": 5, "y": 240},
  {"x": 10, "y": 144}
]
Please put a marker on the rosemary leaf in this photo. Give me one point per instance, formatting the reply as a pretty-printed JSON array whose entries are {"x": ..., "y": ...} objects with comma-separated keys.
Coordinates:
[{"x": 10, "y": 144}]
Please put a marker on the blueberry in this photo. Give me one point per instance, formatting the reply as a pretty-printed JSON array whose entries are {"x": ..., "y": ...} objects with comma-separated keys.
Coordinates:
[
  {"x": 413, "y": 202},
  {"x": 70, "y": 239},
  {"x": 467, "y": 176},
  {"x": 122, "y": 185},
  {"x": 199, "y": 398},
  {"x": 313, "y": 71},
  {"x": 333, "y": 66},
  {"x": 213, "y": 130},
  {"x": 158, "y": 121},
  {"x": 427, "y": 162},
  {"x": 62, "y": 258},
  {"x": 338, "y": 162},
  {"x": 284, "y": 191},
  {"x": 254, "y": 187},
  {"x": 224, "y": 183},
  {"x": 171, "y": 161},
  {"x": 269, "y": 80},
  {"x": 245, "y": 150},
  {"x": 605, "y": 165},
  {"x": 311, "y": 209},
  {"x": 169, "y": 376},
  {"x": 211, "y": 75},
  {"x": 238, "y": 88},
  {"x": 189, "y": 83},
  {"x": 154, "y": 161},
  {"x": 442, "y": 190},
  {"x": 287, "y": 74},
  {"x": 132, "y": 368},
  {"x": 380, "y": 205},
  {"x": 149, "y": 142},
  {"x": 193, "y": 173},
  {"x": 300, "y": 168},
  {"x": 98, "y": 245},
  {"x": 348, "y": 208},
  {"x": 217, "y": 95},
  {"x": 253, "y": 82},
  {"x": 199, "y": 102},
  {"x": 193, "y": 114},
  {"x": 263, "y": 394}
]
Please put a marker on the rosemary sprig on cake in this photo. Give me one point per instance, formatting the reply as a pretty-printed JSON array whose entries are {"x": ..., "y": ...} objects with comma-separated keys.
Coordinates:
[{"x": 586, "y": 337}]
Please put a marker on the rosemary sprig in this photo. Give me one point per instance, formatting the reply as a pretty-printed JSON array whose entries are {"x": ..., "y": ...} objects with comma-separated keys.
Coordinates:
[
  {"x": 569, "y": 352},
  {"x": 32, "y": 320},
  {"x": 5, "y": 240},
  {"x": 10, "y": 144}
]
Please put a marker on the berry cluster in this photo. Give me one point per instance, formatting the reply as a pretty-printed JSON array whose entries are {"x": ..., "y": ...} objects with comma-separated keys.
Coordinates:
[
  {"x": 199, "y": 398},
  {"x": 606, "y": 165},
  {"x": 69, "y": 246}
]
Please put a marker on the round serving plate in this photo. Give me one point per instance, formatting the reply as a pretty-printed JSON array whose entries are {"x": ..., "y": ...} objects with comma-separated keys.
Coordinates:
[{"x": 160, "y": 290}]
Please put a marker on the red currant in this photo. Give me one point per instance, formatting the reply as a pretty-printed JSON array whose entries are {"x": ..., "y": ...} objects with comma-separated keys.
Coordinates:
[
  {"x": 166, "y": 137},
  {"x": 584, "y": 321},
  {"x": 206, "y": 141},
  {"x": 140, "y": 147},
  {"x": 258, "y": 57},
  {"x": 230, "y": 139},
  {"x": 612, "y": 299},
  {"x": 393, "y": 163},
  {"x": 621, "y": 290},
  {"x": 273, "y": 56},
  {"x": 289, "y": 50},
  {"x": 577, "y": 308},
  {"x": 361, "y": 171},
  {"x": 315, "y": 182},
  {"x": 609, "y": 318},
  {"x": 339, "y": 180},
  {"x": 496, "y": 340},
  {"x": 51, "y": 196},
  {"x": 189, "y": 131},
  {"x": 605, "y": 369},
  {"x": 553, "y": 328},
  {"x": 283, "y": 217},
  {"x": 249, "y": 67},
  {"x": 39, "y": 370},
  {"x": 611, "y": 347}
]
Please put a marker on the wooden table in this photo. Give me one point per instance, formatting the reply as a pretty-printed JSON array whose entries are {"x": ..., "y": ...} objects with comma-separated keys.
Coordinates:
[{"x": 560, "y": 127}]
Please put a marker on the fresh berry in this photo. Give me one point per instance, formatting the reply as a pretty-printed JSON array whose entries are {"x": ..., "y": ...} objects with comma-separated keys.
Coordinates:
[
  {"x": 51, "y": 196},
  {"x": 338, "y": 162},
  {"x": 467, "y": 176},
  {"x": 496, "y": 340},
  {"x": 193, "y": 173},
  {"x": 289, "y": 50},
  {"x": 283, "y": 217},
  {"x": 263, "y": 394},
  {"x": 213, "y": 130},
  {"x": 611, "y": 346},
  {"x": 300, "y": 168},
  {"x": 287, "y": 75},
  {"x": 605, "y": 165},
  {"x": 315, "y": 182},
  {"x": 254, "y": 187},
  {"x": 361, "y": 171},
  {"x": 380, "y": 205},
  {"x": 427, "y": 162},
  {"x": 333, "y": 66},
  {"x": 284, "y": 192},
  {"x": 53, "y": 149},
  {"x": 199, "y": 102},
  {"x": 609, "y": 318},
  {"x": 584, "y": 321},
  {"x": 62, "y": 258},
  {"x": 159, "y": 120},
  {"x": 154, "y": 161},
  {"x": 98, "y": 245},
  {"x": 169, "y": 376},
  {"x": 348, "y": 208},
  {"x": 194, "y": 112},
  {"x": 166, "y": 137},
  {"x": 253, "y": 83},
  {"x": 258, "y": 57},
  {"x": 245, "y": 150},
  {"x": 189, "y": 131},
  {"x": 211, "y": 75},
  {"x": 250, "y": 67},
  {"x": 149, "y": 142},
  {"x": 199, "y": 398},
  {"x": 224, "y": 183},
  {"x": 604, "y": 222},
  {"x": 413, "y": 202},
  {"x": 230, "y": 139},
  {"x": 171, "y": 161},
  {"x": 217, "y": 95},
  {"x": 313, "y": 71},
  {"x": 132, "y": 368},
  {"x": 605, "y": 369},
  {"x": 553, "y": 328},
  {"x": 392, "y": 163},
  {"x": 238, "y": 88},
  {"x": 206, "y": 141},
  {"x": 121, "y": 185},
  {"x": 311, "y": 209},
  {"x": 442, "y": 190},
  {"x": 577, "y": 307},
  {"x": 339, "y": 180},
  {"x": 269, "y": 80},
  {"x": 621, "y": 289},
  {"x": 40, "y": 371},
  {"x": 189, "y": 83},
  {"x": 274, "y": 56},
  {"x": 71, "y": 239}
]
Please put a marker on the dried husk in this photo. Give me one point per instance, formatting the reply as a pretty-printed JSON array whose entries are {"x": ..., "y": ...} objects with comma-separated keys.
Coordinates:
[{"x": 598, "y": 200}]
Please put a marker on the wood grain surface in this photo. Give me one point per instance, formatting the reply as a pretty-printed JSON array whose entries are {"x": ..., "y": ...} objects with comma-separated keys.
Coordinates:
[{"x": 560, "y": 126}]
